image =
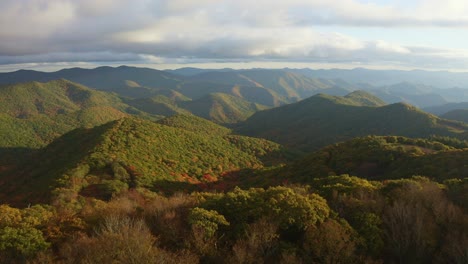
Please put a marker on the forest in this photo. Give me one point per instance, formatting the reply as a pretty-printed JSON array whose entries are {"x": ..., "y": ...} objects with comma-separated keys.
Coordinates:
[{"x": 255, "y": 166}]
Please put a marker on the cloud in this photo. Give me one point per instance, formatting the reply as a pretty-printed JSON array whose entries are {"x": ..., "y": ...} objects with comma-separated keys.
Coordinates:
[
  {"x": 157, "y": 31},
  {"x": 72, "y": 57}
]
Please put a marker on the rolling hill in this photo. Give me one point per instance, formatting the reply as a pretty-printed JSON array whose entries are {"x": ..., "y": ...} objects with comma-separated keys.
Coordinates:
[
  {"x": 362, "y": 98},
  {"x": 222, "y": 108},
  {"x": 416, "y": 94},
  {"x": 323, "y": 119},
  {"x": 458, "y": 114},
  {"x": 112, "y": 186},
  {"x": 134, "y": 82},
  {"x": 33, "y": 114},
  {"x": 101, "y": 78},
  {"x": 255, "y": 94},
  {"x": 157, "y": 105},
  {"x": 130, "y": 153},
  {"x": 382, "y": 158},
  {"x": 288, "y": 85},
  {"x": 442, "y": 109},
  {"x": 389, "y": 77}
]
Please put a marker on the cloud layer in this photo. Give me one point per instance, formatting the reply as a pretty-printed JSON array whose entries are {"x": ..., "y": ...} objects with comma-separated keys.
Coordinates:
[{"x": 171, "y": 31}]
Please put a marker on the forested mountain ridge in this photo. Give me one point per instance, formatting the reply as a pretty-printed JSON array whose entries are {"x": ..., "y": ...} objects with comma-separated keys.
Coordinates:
[
  {"x": 130, "y": 186},
  {"x": 443, "y": 79},
  {"x": 134, "y": 82},
  {"x": 103, "y": 205},
  {"x": 133, "y": 152},
  {"x": 384, "y": 158},
  {"x": 222, "y": 108},
  {"x": 101, "y": 78},
  {"x": 287, "y": 84},
  {"x": 323, "y": 119},
  {"x": 33, "y": 114},
  {"x": 162, "y": 94}
]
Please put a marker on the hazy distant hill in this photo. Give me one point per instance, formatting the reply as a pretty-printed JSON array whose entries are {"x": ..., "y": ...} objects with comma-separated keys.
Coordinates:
[
  {"x": 270, "y": 87},
  {"x": 131, "y": 153},
  {"x": 287, "y": 84},
  {"x": 442, "y": 109},
  {"x": 255, "y": 94},
  {"x": 190, "y": 71},
  {"x": 363, "y": 98},
  {"x": 438, "y": 79},
  {"x": 414, "y": 94},
  {"x": 157, "y": 105},
  {"x": 262, "y": 86},
  {"x": 145, "y": 82},
  {"x": 33, "y": 114},
  {"x": 458, "y": 114},
  {"x": 102, "y": 78},
  {"x": 222, "y": 108},
  {"x": 323, "y": 119}
]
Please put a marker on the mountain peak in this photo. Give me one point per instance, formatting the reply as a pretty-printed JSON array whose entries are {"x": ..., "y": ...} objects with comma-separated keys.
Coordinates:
[
  {"x": 365, "y": 98},
  {"x": 324, "y": 119}
]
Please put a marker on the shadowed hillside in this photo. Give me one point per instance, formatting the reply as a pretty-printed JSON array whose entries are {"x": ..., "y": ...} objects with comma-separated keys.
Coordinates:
[
  {"x": 379, "y": 158},
  {"x": 323, "y": 119},
  {"x": 135, "y": 153}
]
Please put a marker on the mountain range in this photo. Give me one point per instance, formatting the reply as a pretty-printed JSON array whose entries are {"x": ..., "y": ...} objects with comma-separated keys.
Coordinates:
[
  {"x": 130, "y": 152},
  {"x": 32, "y": 114},
  {"x": 224, "y": 96},
  {"x": 324, "y": 119},
  {"x": 238, "y": 166}
]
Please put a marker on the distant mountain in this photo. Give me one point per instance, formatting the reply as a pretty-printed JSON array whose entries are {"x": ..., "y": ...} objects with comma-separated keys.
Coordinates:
[
  {"x": 289, "y": 85},
  {"x": 454, "y": 94},
  {"x": 363, "y": 98},
  {"x": 217, "y": 107},
  {"x": 414, "y": 94},
  {"x": 33, "y": 114},
  {"x": 266, "y": 87},
  {"x": 158, "y": 105},
  {"x": 458, "y": 114},
  {"x": 101, "y": 78},
  {"x": 222, "y": 108},
  {"x": 259, "y": 86},
  {"x": 130, "y": 153},
  {"x": 438, "y": 79},
  {"x": 442, "y": 109},
  {"x": 190, "y": 71},
  {"x": 323, "y": 119},
  {"x": 255, "y": 94},
  {"x": 195, "y": 124},
  {"x": 145, "y": 82}
]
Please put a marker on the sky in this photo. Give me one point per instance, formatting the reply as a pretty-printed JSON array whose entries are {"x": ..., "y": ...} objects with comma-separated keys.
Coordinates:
[{"x": 378, "y": 34}]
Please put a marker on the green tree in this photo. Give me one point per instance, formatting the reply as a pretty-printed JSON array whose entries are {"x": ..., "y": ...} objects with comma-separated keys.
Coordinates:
[
  {"x": 206, "y": 220},
  {"x": 21, "y": 241}
]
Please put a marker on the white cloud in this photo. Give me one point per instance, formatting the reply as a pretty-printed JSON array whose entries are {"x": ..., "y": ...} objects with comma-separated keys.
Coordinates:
[
  {"x": 21, "y": 24},
  {"x": 155, "y": 31},
  {"x": 391, "y": 48}
]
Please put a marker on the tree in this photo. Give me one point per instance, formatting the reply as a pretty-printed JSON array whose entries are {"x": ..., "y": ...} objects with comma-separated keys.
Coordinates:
[
  {"x": 293, "y": 210},
  {"x": 333, "y": 241},
  {"x": 21, "y": 241}
]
